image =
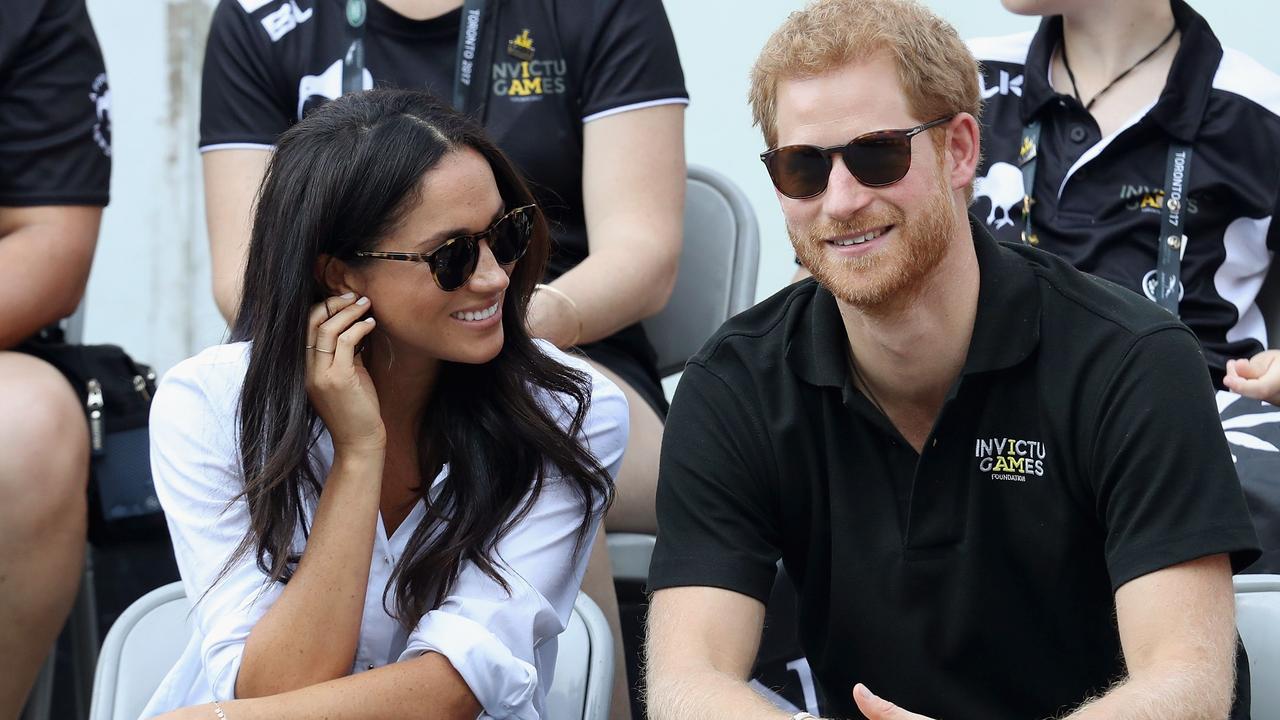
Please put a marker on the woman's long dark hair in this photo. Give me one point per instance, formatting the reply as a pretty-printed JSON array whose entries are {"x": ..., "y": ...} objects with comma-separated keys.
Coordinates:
[{"x": 339, "y": 181}]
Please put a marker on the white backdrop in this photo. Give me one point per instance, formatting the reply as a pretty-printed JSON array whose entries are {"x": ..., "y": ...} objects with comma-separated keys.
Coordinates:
[{"x": 149, "y": 290}]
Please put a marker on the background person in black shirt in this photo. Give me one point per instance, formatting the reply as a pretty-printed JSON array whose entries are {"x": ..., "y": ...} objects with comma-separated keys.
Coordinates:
[
  {"x": 998, "y": 483},
  {"x": 55, "y": 165},
  {"x": 1113, "y": 87}
]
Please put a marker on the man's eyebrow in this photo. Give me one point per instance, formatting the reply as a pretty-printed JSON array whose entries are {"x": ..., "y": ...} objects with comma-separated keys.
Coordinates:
[{"x": 439, "y": 238}]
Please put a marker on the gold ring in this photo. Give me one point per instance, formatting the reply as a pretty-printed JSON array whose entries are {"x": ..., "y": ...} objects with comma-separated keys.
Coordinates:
[
  {"x": 310, "y": 347},
  {"x": 320, "y": 349}
]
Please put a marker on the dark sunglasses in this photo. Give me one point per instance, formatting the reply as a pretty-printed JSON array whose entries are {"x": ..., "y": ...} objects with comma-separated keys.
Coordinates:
[
  {"x": 453, "y": 263},
  {"x": 876, "y": 159}
]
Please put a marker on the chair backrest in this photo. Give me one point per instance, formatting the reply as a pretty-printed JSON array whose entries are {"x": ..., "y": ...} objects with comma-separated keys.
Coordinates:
[
  {"x": 150, "y": 635},
  {"x": 1258, "y": 620},
  {"x": 718, "y": 267},
  {"x": 140, "y": 648},
  {"x": 583, "y": 682}
]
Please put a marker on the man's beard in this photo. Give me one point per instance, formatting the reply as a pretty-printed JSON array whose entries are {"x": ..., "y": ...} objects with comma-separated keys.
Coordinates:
[{"x": 893, "y": 273}]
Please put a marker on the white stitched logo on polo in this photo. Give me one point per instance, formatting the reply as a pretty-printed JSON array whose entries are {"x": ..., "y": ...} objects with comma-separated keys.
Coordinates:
[{"x": 1009, "y": 459}]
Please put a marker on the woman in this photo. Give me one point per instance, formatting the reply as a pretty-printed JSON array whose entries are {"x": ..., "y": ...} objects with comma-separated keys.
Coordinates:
[
  {"x": 407, "y": 503},
  {"x": 586, "y": 97}
]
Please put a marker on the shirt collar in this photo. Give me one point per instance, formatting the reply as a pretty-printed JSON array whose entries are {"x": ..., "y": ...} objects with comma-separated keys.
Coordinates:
[
  {"x": 1181, "y": 106},
  {"x": 1006, "y": 329}
]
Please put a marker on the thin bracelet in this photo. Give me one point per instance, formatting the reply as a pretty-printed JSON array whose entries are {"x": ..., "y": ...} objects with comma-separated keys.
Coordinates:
[
  {"x": 576, "y": 313},
  {"x": 217, "y": 710},
  {"x": 805, "y": 716}
]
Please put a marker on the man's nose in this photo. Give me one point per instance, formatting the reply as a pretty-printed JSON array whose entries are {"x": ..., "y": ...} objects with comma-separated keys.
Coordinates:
[{"x": 845, "y": 195}]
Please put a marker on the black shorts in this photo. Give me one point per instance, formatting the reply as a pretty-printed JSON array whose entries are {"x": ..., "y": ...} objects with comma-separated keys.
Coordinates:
[{"x": 628, "y": 354}]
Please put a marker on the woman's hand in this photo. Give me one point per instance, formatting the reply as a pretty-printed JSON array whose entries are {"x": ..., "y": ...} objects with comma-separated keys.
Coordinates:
[
  {"x": 1257, "y": 378},
  {"x": 337, "y": 383}
]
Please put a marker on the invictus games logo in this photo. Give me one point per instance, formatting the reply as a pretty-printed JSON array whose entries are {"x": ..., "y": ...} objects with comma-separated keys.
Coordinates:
[
  {"x": 1009, "y": 459},
  {"x": 100, "y": 96},
  {"x": 528, "y": 80}
]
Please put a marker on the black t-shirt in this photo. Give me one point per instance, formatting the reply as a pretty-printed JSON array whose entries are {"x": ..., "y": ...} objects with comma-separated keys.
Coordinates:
[
  {"x": 55, "y": 122},
  {"x": 268, "y": 62},
  {"x": 1098, "y": 200},
  {"x": 1080, "y": 449}
]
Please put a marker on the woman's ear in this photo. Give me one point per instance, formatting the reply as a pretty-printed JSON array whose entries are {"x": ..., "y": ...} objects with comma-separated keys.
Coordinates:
[{"x": 337, "y": 276}]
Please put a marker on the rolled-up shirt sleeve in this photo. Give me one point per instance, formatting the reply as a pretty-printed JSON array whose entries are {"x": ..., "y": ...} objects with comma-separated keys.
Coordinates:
[
  {"x": 492, "y": 637},
  {"x": 195, "y": 466}
]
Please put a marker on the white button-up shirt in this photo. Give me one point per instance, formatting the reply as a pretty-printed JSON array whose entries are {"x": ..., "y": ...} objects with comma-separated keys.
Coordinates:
[{"x": 503, "y": 645}]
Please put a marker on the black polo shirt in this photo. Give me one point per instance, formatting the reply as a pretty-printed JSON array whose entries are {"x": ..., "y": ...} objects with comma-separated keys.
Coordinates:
[
  {"x": 55, "y": 106},
  {"x": 1099, "y": 200},
  {"x": 1079, "y": 449},
  {"x": 555, "y": 65}
]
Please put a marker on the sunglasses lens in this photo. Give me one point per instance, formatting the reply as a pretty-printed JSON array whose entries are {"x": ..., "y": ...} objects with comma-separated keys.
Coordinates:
[
  {"x": 454, "y": 263},
  {"x": 799, "y": 171},
  {"x": 879, "y": 161},
  {"x": 511, "y": 236}
]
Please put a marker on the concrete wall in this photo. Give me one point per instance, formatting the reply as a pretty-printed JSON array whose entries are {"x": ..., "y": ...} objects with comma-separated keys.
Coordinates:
[{"x": 149, "y": 290}]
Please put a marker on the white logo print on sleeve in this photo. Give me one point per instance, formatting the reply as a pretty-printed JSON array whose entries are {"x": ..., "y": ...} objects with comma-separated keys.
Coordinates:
[
  {"x": 327, "y": 85},
  {"x": 100, "y": 96},
  {"x": 1006, "y": 85},
  {"x": 1003, "y": 187},
  {"x": 279, "y": 23}
]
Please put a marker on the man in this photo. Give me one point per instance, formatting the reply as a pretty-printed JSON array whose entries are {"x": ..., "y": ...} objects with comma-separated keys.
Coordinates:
[
  {"x": 999, "y": 484},
  {"x": 54, "y": 168}
]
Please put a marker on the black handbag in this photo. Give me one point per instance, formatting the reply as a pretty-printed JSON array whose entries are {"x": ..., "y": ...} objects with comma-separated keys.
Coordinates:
[{"x": 116, "y": 394}]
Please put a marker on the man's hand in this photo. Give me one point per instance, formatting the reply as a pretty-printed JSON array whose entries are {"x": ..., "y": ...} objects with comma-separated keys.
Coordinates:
[
  {"x": 1257, "y": 378},
  {"x": 877, "y": 708}
]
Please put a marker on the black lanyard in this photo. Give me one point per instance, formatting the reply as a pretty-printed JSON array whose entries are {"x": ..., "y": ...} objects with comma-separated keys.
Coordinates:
[
  {"x": 473, "y": 63},
  {"x": 1172, "y": 242}
]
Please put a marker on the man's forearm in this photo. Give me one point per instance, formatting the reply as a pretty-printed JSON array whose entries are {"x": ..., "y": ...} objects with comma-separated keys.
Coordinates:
[
  {"x": 1178, "y": 693},
  {"x": 706, "y": 695}
]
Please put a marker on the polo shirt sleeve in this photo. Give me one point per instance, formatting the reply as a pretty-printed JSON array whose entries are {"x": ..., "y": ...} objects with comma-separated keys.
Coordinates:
[
  {"x": 631, "y": 60},
  {"x": 717, "y": 521},
  {"x": 490, "y": 634},
  {"x": 240, "y": 105},
  {"x": 195, "y": 466},
  {"x": 55, "y": 112},
  {"x": 1164, "y": 479}
]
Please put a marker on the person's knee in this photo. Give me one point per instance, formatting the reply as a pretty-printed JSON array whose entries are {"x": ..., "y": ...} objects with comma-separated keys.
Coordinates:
[{"x": 44, "y": 444}]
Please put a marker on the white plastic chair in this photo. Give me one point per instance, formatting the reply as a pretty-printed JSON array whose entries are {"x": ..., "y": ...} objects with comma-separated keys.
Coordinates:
[
  {"x": 1258, "y": 620},
  {"x": 718, "y": 268},
  {"x": 150, "y": 635}
]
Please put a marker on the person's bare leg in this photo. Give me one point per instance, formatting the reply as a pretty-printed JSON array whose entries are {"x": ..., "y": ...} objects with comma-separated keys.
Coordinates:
[
  {"x": 633, "y": 508},
  {"x": 44, "y": 465}
]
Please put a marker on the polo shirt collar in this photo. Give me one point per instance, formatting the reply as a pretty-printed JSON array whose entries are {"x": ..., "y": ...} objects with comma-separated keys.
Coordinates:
[
  {"x": 1181, "y": 106},
  {"x": 1006, "y": 329},
  {"x": 1005, "y": 332}
]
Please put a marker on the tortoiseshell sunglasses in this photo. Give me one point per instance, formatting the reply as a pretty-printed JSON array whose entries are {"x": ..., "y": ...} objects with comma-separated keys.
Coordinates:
[{"x": 453, "y": 263}]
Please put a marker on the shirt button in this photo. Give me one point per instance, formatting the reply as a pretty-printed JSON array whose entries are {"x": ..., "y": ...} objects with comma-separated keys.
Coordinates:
[
  {"x": 370, "y": 666},
  {"x": 1078, "y": 134},
  {"x": 386, "y": 561}
]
